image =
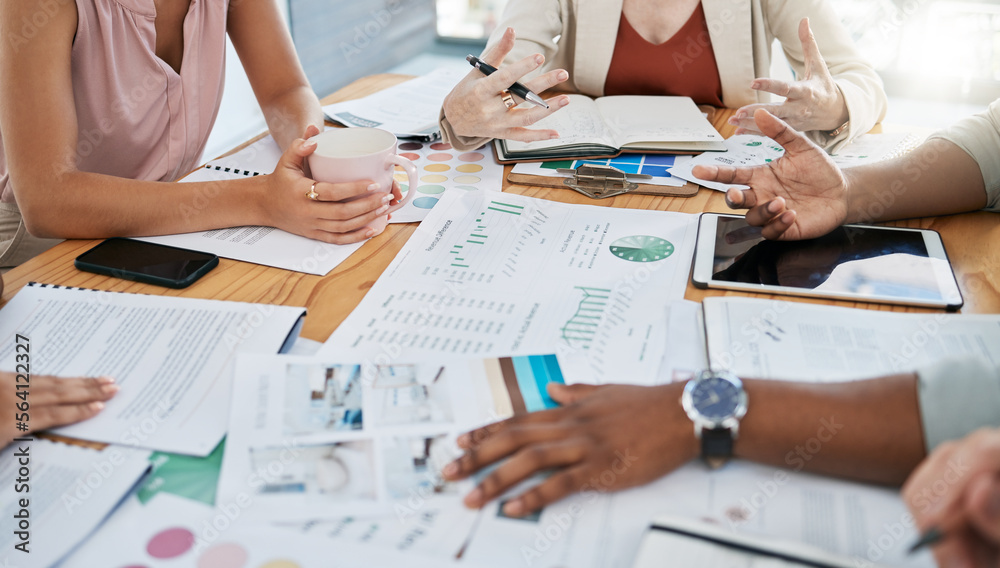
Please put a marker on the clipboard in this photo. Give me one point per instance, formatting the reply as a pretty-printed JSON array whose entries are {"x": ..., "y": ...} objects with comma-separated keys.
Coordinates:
[{"x": 601, "y": 182}]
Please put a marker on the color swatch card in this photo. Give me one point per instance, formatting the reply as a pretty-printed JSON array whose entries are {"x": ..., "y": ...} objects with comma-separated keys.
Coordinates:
[
  {"x": 656, "y": 165},
  {"x": 173, "y": 532},
  {"x": 442, "y": 169}
]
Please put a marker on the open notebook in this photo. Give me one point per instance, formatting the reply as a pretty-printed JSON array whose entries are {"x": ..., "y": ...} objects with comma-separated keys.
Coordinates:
[{"x": 609, "y": 126}]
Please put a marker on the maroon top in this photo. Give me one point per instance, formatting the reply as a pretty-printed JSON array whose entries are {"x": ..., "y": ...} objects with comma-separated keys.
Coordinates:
[{"x": 684, "y": 65}]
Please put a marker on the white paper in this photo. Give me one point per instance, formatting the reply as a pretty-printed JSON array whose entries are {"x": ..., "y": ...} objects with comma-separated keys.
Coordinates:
[
  {"x": 745, "y": 150},
  {"x": 268, "y": 246},
  {"x": 685, "y": 354},
  {"x": 264, "y": 245},
  {"x": 173, "y": 358},
  {"x": 656, "y": 165},
  {"x": 795, "y": 341},
  {"x": 173, "y": 532},
  {"x": 604, "y": 530},
  {"x": 315, "y": 440},
  {"x": 497, "y": 274},
  {"x": 425, "y": 526},
  {"x": 69, "y": 489},
  {"x": 409, "y": 109},
  {"x": 871, "y": 148}
]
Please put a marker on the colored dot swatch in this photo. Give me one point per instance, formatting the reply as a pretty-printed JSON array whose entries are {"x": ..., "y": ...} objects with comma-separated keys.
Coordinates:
[
  {"x": 468, "y": 187},
  {"x": 471, "y": 157},
  {"x": 170, "y": 543},
  {"x": 410, "y": 146},
  {"x": 281, "y": 564},
  {"x": 226, "y": 555},
  {"x": 432, "y": 189},
  {"x": 425, "y": 202},
  {"x": 469, "y": 168},
  {"x": 467, "y": 179},
  {"x": 410, "y": 156},
  {"x": 437, "y": 168},
  {"x": 439, "y": 146},
  {"x": 434, "y": 178},
  {"x": 439, "y": 157}
]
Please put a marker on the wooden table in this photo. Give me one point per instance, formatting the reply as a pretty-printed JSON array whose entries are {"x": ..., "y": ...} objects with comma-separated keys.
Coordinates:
[{"x": 972, "y": 241}]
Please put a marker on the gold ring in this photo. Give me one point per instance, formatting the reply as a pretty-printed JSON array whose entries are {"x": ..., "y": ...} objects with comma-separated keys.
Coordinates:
[
  {"x": 312, "y": 192},
  {"x": 508, "y": 100}
]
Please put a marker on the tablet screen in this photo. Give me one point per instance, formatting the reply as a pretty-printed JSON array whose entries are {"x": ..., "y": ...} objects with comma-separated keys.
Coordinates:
[{"x": 866, "y": 261}]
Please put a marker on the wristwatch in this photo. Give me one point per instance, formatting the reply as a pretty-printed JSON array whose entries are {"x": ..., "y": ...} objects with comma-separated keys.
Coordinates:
[{"x": 715, "y": 402}]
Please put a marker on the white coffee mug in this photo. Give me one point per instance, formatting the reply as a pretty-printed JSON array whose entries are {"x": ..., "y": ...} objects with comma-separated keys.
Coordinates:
[{"x": 353, "y": 154}]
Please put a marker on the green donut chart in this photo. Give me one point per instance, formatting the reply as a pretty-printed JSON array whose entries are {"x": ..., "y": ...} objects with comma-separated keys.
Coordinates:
[{"x": 642, "y": 248}]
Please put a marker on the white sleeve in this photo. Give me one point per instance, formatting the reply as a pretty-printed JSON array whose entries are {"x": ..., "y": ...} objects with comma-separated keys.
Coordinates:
[
  {"x": 979, "y": 136},
  {"x": 957, "y": 396}
]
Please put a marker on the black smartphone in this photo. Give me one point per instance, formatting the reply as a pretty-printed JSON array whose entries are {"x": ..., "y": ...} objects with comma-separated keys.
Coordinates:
[{"x": 151, "y": 263}]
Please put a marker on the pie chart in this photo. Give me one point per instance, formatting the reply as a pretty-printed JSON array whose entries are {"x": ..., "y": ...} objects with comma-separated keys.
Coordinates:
[{"x": 642, "y": 248}]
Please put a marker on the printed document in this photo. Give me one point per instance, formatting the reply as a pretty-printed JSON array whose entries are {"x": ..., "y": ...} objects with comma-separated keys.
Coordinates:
[
  {"x": 313, "y": 440},
  {"x": 69, "y": 491},
  {"x": 795, "y": 341},
  {"x": 173, "y": 358},
  {"x": 490, "y": 274},
  {"x": 268, "y": 246}
]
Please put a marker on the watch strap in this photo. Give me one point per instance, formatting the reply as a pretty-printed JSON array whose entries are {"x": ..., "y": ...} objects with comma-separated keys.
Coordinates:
[{"x": 716, "y": 446}]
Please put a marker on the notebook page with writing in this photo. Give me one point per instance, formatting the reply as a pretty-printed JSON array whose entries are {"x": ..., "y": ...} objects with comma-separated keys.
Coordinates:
[
  {"x": 641, "y": 120},
  {"x": 578, "y": 123}
]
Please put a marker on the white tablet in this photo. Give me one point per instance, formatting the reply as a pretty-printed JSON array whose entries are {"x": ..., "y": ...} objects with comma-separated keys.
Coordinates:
[
  {"x": 854, "y": 262},
  {"x": 674, "y": 541}
]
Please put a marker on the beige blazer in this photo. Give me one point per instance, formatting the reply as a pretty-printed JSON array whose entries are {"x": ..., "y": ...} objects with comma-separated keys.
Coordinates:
[{"x": 580, "y": 36}]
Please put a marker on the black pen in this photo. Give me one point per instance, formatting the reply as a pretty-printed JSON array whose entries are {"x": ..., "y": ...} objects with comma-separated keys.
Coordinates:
[
  {"x": 933, "y": 536},
  {"x": 517, "y": 88}
]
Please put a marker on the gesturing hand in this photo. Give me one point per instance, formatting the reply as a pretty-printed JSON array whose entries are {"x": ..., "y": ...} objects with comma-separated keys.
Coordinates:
[
  {"x": 636, "y": 433},
  {"x": 51, "y": 402},
  {"x": 812, "y": 103},
  {"x": 474, "y": 107},
  {"x": 802, "y": 195},
  {"x": 957, "y": 489}
]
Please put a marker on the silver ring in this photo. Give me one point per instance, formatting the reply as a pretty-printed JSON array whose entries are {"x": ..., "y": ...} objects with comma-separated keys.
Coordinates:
[
  {"x": 312, "y": 192},
  {"x": 508, "y": 99}
]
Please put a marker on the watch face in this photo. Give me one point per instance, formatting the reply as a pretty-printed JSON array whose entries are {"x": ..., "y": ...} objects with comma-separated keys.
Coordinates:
[{"x": 715, "y": 398}]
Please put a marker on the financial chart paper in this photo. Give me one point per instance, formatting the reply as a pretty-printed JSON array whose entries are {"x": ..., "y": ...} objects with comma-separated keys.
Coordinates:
[{"x": 491, "y": 274}]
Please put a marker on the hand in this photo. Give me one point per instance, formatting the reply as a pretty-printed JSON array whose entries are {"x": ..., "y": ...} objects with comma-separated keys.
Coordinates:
[
  {"x": 802, "y": 195},
  {"x": 636, "y": 434},
  {"x": 957, "y": 489},
  {"x": 814, "y": 103},
  {"x": 51, "y": 402},
  {"x": 341, "y": 213},
  {"x": 474, "y": 107}
]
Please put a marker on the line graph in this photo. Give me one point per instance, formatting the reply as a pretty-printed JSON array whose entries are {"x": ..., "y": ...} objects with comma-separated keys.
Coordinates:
[{"x": 580, "y": 330}]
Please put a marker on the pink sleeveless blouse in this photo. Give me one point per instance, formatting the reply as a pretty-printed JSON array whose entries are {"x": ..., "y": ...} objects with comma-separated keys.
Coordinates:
[{"x": 137, "y": 117}]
